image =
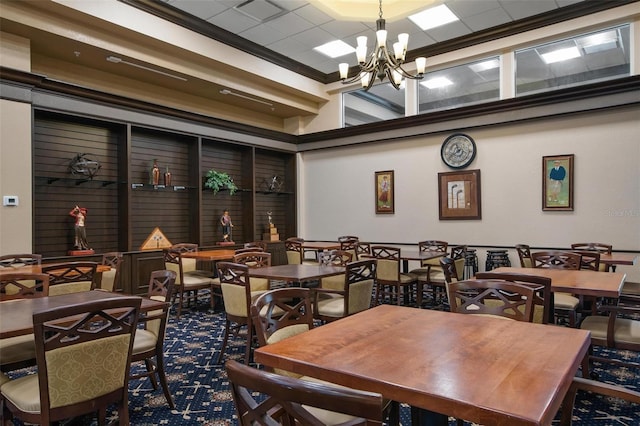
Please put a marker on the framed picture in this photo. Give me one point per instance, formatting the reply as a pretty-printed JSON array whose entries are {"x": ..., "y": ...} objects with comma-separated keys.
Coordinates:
[
  {"x": 557, "y": 182},
  {"x": 385, "y": 193},
  {"x": 459, "y": 195}
]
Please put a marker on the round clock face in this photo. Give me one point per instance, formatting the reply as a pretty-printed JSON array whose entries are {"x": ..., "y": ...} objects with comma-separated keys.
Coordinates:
[{"x": 458, "y": 151}]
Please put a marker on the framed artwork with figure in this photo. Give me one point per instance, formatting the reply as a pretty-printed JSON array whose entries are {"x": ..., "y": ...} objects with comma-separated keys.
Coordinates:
[
  {"x": 459, "y": 195},
  {"x": 385, "y": 192},
  {"x": 557, "y": 182}
]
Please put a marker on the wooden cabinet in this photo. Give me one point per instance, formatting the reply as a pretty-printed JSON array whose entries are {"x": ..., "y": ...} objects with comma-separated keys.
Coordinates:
[{"x": 124, "y": 206}]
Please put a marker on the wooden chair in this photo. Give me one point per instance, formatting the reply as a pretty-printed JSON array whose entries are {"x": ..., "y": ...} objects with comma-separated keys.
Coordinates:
[
  {"x": 565, "y": 304},
  {"x": 186, "y": 283},
  {"x": 286, "y": 400},
  {"x": 524, "y": 254},
  {"x": 70, "y": 277},
  {"x": 543, "y": 312},
  {"x": 350, "y": 246},
  {"x": 426, "y": 246},
  {"x": 20, "y": 351},
  {"x": 16, "y": 260},
  {"x": 590, "y": 261},
  {"x": 492, "y": 297},
  {"x": 255, "y": 259},
  {"x": 605, "y": 389},
  {"x": 295, "y": 252},
  {"x": 334, "y": 258},
  {"x": 149, "y": 341},
  {"x": 435, "y": 279},
  {"x": 390, "y": 282},
  {"x": 348, "y": 238},
  {"x": 354, "y": 296},
  {"x": 364, "y": 250},
  {"x": 261, "y": 245},
  {"x": 69, "y": 382},
  {"x": 110, "y": 279},
  {"x": 614, "y": 328},
  {"x": 189, "y": 266},
  {"x": 237, "y": 297},
  {"x": 281, "y": 313},
  {"x": 595, "y": 247}
]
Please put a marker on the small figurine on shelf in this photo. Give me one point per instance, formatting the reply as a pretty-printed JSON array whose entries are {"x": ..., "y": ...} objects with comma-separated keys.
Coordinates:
[
  {"x": 270, "y": 217},
  {"x": 155, "y": 173},
  {"x": 167, "y": 177},
  {"x": 80, "y": 240},
  {"x": 227, "y": 226}
]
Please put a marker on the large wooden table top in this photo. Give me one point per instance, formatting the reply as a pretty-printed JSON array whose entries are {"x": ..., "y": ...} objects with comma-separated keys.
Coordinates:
[
  {"x": 587, "y": 283},
  {"x": 210, "y": 255},
  {"x": 295, "y": 272},
  {"x": 420, "y": 255},
  {"x": 37, "y": 269},
  {"x": 16, "y": 316},
  {"x": 619, "y": 258},
  {"x": 486, "y": 370}
]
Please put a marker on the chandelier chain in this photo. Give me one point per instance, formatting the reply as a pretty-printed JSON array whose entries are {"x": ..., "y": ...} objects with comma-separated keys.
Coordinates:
[{"x": 380, "y": 14}]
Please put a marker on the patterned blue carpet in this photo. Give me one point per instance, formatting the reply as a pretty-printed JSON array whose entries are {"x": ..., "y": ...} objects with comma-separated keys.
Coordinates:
[{"x": 202, "y": 397}]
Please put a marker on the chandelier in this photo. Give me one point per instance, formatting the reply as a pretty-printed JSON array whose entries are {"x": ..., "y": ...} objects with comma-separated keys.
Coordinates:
[{"x": 381, "y": 63}]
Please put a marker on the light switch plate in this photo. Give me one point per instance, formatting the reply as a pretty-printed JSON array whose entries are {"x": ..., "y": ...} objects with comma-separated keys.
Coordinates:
[{"x": 9, "y": 200}]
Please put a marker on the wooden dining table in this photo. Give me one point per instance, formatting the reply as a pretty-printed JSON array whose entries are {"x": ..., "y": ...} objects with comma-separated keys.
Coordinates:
[
  {"x": 614, "y": 259},
  {"x": 16, "y": 316},
  {"x": 37, "y": 269},
  {"x": 210, "y": 255},
  {"x": 480, "y": 369},
  {"x": 407, "y": 255},
  {"x": 580, "y": 282},
  {"x": 296, "y": 274}
]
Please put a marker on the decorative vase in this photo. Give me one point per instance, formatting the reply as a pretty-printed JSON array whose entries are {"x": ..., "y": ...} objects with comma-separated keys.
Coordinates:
[
  {"x": 167, "y": 177},
  {"x": 155, "y": 173}
]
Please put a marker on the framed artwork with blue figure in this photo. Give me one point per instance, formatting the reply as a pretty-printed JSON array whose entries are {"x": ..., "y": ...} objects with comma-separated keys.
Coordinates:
[{"x": 557, "y": 182}]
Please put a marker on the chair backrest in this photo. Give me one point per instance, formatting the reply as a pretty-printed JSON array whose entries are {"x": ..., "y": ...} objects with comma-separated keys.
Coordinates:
[
  {"x": 161, "y": 284},
  {"x": 236, "y": 288},
  {"x": 363, "y": 249},
  {"x": 295, "y": 254},
  {"x": 110, "y": 279},
  {"x": 433, "y": 245},
  {"x": 247, "y": 250},
  {"x": 335, "y": 257},
  {"x": 257, "y": 245},
  {"x": 173, "y": 262},
  {"x": 492, "y": 297},
  {"x": 22, "y": 285},
  {"x": 70, "y": 277},
  {"x": 449, "y": 269},
  {"x": 388, "y": 263},
  {"x": 287, "y": 397},
  {"x": 556, "y": 259},
  {"x": 281, "y": 313},
  {"x": 15, "y": 260},
  {"x": 599, "y": 247},
  {"x": 524, "y": 254},
  {"x": 64, "y": 338},
  {"x": 458, "y": 254},
  {"x": 185, "y": 247},
  {"x": 350, "y": 246},
  {"x": 360, "y": 277},
  {"x": 606, "y": 389},
  {"x": 253, "y": 259},
  {"x": 348, "y": 238},
  {"x": 543, "y": 310},
  {"x": 589, "y": 260}
]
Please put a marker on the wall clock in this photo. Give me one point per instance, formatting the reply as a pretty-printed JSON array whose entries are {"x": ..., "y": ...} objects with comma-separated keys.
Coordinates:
[{"x": 458, "y": 151}]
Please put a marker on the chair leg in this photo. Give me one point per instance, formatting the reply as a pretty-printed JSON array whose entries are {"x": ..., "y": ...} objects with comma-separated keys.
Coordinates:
[
  {"x": 247, "y": 351},
  {"x": 151, "y": 369},
  {"x": 123, "y": 413},
  {"x": 163, "y": 380},
  {"x": 224, "y": 341}
]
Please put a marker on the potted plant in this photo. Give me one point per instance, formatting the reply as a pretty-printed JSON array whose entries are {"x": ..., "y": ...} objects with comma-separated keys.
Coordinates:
[{"x": 219, "y": 180}]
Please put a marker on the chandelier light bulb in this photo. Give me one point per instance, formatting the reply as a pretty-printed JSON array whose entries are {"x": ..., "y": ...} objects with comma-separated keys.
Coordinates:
[
  {"x": 421, "y": 64},
  {"x": 344, "y": 70},
  {"x": 381, "y": 36}
]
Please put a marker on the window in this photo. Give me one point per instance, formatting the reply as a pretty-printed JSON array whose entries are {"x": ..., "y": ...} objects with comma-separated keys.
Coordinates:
[
  {"x": 587, "y": 58},
  {"x": 461, "y": 85},
  {"x": 381, "y": 102}
]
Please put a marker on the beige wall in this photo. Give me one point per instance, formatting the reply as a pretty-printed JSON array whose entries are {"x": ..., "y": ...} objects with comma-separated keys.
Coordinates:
[
  {"x": 15, "y": 176},
  {"x": 338, "y": 186}
]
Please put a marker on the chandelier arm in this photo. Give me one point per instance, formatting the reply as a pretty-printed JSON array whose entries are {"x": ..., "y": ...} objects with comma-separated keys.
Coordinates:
[{"x": 406, "y": 74}]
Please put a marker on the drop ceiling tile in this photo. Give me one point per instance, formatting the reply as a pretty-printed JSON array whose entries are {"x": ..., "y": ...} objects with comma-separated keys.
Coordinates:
[
  {"x": 233, "y": 21},
  {"x": 201, "y": 9},
  {"x": 519, "y": 9},
  {"x": 313, "y": 14},
  {"x": 263, "y": 34},
  {"x": 448, "y": 31},
  {"x": 288, "y": 46},
  {"x": 343, "y": 29},
  {"x": 290, "y": 24},
  {"x": 465, "y": 8},
  {"x": 290, "y": 4},
  {"x": 488, "y": 19},
  {"x": 313, "y": 37}
]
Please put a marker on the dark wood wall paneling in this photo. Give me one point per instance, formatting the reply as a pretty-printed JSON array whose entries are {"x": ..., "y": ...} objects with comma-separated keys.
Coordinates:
[
  {"x": 56, "y": 190},
  {"x": 267, "y": 166},
  {"x": 163, "y": 207},
  {"x": 230, "y": 159}
]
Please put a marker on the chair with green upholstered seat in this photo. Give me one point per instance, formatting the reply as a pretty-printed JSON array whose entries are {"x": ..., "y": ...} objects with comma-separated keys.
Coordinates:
[
  {"x": 354, "y": 296},
  {"x": 83, "y": 355},
  {"x": 148, "y": 343},
  {"x": 70, "y": 277}
]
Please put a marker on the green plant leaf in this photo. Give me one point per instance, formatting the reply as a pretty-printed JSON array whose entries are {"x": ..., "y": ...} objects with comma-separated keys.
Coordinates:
[{"x": 219, "y": 180}]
